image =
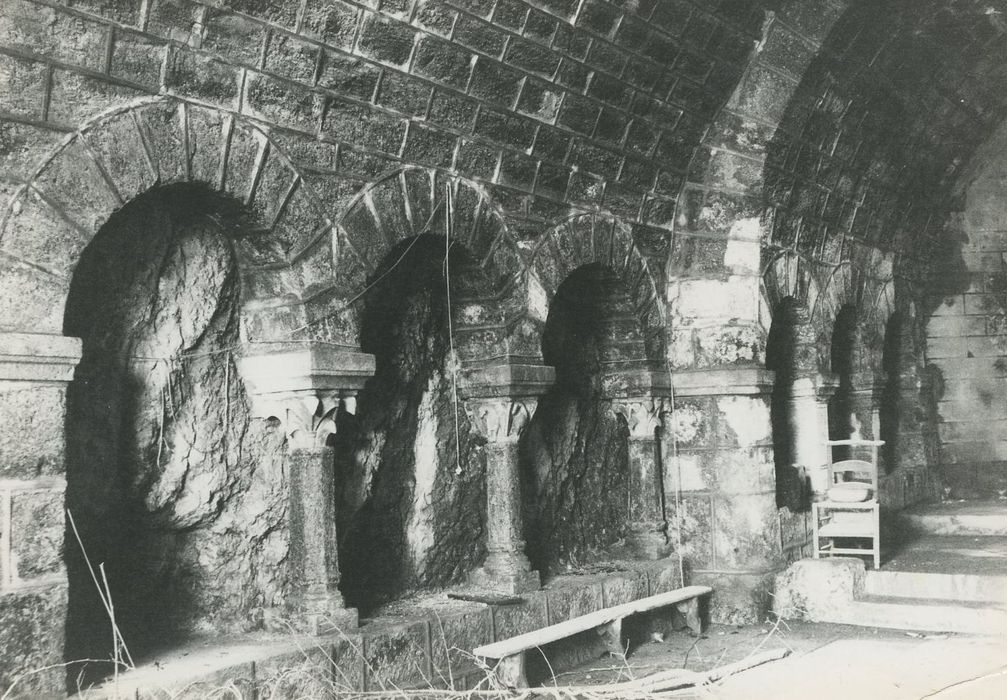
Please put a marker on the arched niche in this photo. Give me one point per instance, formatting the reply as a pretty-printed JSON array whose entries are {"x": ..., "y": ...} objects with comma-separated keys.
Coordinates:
[
  {"x": 435, "y": 288},
  {"x": 195, "y": 186},
  {"x": 843, "y": 354},
  {"x": 577, "y": 477},
  {"x": 410, "y": 472},
  {"x": 171, "y": 482}
]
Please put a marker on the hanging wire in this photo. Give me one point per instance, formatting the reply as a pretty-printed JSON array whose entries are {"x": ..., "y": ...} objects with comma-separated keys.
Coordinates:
[
  {"x": 453, "y": 364},
  {"x": 678, "y": 478}
]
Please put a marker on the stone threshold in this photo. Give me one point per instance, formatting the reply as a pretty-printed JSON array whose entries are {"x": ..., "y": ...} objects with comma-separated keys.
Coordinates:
[{"x": 419, "y": 642}]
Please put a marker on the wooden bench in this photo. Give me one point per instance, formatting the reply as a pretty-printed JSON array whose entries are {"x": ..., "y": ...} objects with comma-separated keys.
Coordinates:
[{"x": 510, "y": 653}]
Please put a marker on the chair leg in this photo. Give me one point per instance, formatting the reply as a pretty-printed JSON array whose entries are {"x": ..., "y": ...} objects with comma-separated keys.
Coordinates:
[
  {"x": 814, "y": 531},
  {"x": 877, "y": 537}
]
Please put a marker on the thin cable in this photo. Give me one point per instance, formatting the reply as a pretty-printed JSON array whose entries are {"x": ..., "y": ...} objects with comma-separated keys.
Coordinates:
[
  {"x": 678, "y": 494},
  {"x": 452, "y": 355},
  {"x": 678, "y": 479}
]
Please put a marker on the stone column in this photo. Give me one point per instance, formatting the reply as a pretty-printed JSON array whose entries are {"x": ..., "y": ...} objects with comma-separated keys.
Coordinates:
[
  {"x": 500, "y": 401},
  {"x": 35, "y": 370},
  {"x": 303, "y": 386},
  {"x": 641, "y": 398},
  {"x": 810, "y": 415},
  {"x": 721, "y": 462}
]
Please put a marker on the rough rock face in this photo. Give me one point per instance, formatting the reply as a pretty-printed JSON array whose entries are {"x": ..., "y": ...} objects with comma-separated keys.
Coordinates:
[
  {"x": 407, "y": 517},
  {"x": 171, "y": 482},
  {"x": 575, "y": 456}
]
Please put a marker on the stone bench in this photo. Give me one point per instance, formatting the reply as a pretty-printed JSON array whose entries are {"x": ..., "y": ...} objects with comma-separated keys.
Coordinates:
[{"x": 510, "y": 653}]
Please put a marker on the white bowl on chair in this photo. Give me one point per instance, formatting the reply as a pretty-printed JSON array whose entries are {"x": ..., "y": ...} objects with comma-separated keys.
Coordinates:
[{"x": 850, "y": 492}]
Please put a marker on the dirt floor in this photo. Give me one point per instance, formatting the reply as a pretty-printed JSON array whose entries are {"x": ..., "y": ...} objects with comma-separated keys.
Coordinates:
[{"x": 826, "y": 661}]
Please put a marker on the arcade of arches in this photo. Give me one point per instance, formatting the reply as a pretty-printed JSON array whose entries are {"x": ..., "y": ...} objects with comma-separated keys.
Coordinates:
[{"x": 313, "y": 306}]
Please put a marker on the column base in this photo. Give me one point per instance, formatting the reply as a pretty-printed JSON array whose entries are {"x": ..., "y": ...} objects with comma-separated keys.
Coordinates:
[
  {"x": 316, "y": 615},
  {"x": 643, "y": 545},
  {"x": 506, "y": 574},
  {"x": 650, "y": 545}
]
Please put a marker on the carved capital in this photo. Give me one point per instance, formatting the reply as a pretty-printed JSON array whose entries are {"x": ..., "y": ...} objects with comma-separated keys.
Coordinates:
[
  {"x": 643, "y": 415},
  {"x": 308, "y": 417},
  {"x": 501, "y": 419},
  {"x": 301, "y": 385}
]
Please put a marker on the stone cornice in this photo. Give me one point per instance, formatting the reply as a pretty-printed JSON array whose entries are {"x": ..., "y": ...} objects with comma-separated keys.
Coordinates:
[
  {"x": 37, "y": 357},
  {"x": 723, "y": 381}
]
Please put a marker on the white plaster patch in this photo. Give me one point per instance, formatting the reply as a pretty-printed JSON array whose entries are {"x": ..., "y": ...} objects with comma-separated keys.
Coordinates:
[
  {"x": 736, "y": 297},
  {"x": 420, "y": 534},
  {"x": 688, "y": 468},
  {"x": 743, "y": 254},
  {"x": 538, "y": 299},
  {"x": 747, "y": 418},
  {"x": 684, "y": 424}
]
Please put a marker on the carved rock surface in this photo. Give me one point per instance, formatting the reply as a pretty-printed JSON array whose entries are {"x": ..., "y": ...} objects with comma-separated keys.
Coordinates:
[{"x": 171, "y": 482}]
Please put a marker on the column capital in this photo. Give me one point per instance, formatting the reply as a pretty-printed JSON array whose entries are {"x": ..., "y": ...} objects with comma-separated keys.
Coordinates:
[
  {"x": 643, "y": 414},
  {"x": 38, "y": 357},
  {"x": 501, "y": 419},
  {"x": 302, "y": 384}
]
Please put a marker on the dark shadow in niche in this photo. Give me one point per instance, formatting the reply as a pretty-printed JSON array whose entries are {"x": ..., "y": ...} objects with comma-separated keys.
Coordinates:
[
  {"x": 146, "y": 436},
  {"x": 890, "y": 405},
  {"x": 792, "y": 485},
  {"x": 408, "y": 516},
  {"x": 842, "y": 356},
  {"x": 574, "y": 458}
]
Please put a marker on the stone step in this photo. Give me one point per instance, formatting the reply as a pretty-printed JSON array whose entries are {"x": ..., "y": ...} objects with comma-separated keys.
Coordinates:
[
  {"x": 979, "y": 519},
  {"x": 925, "y": 615},
  {"x": 963, "y": 588}
]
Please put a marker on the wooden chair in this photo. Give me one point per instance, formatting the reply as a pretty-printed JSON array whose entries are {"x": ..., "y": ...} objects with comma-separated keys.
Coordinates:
[{"x": 850, "y": 509}]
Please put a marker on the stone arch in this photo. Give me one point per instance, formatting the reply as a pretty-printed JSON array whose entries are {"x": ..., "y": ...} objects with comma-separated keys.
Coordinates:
[
  {"x": 591, "y": 239},
  {"x": 837, "y": 292},
  {"x": 415, "y": 201},
  {"x": 789, "y": 276},
  {"x": 132, "y": 149}
]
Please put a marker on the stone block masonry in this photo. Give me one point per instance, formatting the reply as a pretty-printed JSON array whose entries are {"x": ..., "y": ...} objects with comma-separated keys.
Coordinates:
[
  {"x": 34, "y": 371},
  {"x": 550, "y": 92},
  {"x": 716, "y": 157}
]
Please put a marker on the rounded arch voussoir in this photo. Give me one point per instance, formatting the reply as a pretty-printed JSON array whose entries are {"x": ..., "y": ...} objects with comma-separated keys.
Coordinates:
[
  {"x": 592, "y": 239},
  {"x": 135, "y": 148}
]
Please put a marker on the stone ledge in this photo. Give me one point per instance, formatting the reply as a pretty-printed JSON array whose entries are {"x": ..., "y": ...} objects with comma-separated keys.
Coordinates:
[
  {"x": 43, "y": 483},
  {"x": 408, "y": 636},
  {"x": 506, "y": 379},
  {"x": 729, "y": 381},
  {"x": 274, "y": 368},
  {"x": 38, "y": 357}
]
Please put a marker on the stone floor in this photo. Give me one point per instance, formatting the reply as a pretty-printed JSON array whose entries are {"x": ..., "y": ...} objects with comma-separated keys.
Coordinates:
[
  {"x": 827, "y": 661},
  {"x": 943, "y": 554}
]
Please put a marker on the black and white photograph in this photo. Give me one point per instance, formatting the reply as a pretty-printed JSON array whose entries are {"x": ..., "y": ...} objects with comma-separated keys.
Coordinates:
[{"x": 503, "y": 349}]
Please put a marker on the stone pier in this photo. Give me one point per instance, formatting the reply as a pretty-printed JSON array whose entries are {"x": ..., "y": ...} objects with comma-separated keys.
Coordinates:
[
  {"x": 720, "y": 450},
  {"x": 641, "y": 397},
  {"x": 501, "y": 401},
  {"x": 35, "y": 370},
  {"x": 303, "y": 386}
]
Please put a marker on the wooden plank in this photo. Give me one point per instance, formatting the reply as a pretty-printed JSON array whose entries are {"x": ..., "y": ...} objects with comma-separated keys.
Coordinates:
[{"x": 568, "y": 628}]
